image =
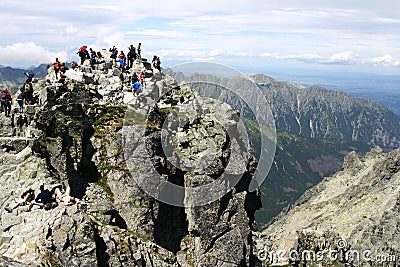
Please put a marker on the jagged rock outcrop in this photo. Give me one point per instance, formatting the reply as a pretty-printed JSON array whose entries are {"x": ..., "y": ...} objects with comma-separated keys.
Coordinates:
[
  {"x": 354, "y": 211},
  {"x": 77, "y": 139}
]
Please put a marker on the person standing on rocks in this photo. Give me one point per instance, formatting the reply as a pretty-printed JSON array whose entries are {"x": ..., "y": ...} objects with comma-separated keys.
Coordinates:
[
  {"x": 57, "y": 67},
  {"x": 20, "y": 99},
  {"x": 63, "y": 69},
  {"x": 74, "y": 65},
  {"x": 156, "y": 63},
  {"x": 122, "y": 60},
  {"x": 142, "y": 77},
  {"x": 93, "y": 57},
  {"x": 29, "y": 74},
  {"x": 134, "y": 78},
  {"x": 6, "y": 101},
  {"x": 82, "y": 53},
  {"x": 28, "y": 89},
  {"x": 114, "y": 52},
  {"x": 139, "y": 51},
  {"x": 131, "y": 56},
  {"x": 137, "y": 89},
  {"x": 100, "y": 58}
]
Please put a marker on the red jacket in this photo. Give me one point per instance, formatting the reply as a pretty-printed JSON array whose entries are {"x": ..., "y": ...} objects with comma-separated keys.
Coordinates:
[
  {"x": 122, "y": 56},
  {"x": 8, "y": 94}
]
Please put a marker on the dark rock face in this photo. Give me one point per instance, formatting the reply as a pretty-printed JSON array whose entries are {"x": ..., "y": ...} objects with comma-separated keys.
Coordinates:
[{"x": 78, "y": 139}]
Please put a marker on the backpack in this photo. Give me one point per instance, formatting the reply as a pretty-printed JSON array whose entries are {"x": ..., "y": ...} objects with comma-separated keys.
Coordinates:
[
  {"x": 134, "y": 79},
  {"x": 4, "y": 97},
  {"x": 57, "y": 65}
]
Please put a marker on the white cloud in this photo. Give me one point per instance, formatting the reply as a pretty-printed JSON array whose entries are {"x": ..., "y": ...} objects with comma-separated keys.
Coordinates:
[
  {"x": 385, "y": 59},
  {"x": 215, "y": 52},
  {"x": 270, "y": 55},
  {"x": 27, "y": 54},
  {"x": 303, "y": 57},
  {"x": 107, "y": 37},
  {"x": 346, "y": 57},
  {"x": 342, "y": 58},
  {"x": 312, "y": 32}
]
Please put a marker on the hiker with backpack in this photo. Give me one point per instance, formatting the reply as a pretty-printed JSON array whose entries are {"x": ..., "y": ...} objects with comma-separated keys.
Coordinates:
[
  {"x": 63, "y": 69},
  {"x": 74, "y": 65},
  {"x": 100, "y": 58},
  {"x": 137, "y": 89},
  {"x": 93, "y": 57},
  {"x": 48, "y": 198},
  {"x": 156, "y": 63},
  {"x": 142, "y": 80},
  {"x": 139, "y": 51},
  {"x": 122, "y": 60},
  {"x": 57, "y": 67},
  {"x": 20, "y": 100},
  {"x": 82, "y": 52},
  {"x": 6, "y": 101},
  {"x": 131, "y": 56},
  {"x": 114, "y": 52},
  {"x": 28, "y": 89},
  {"x": 29, "y": 75},
  {"x": 26, "y": 198},
  {"x": 134, "y": 78}
]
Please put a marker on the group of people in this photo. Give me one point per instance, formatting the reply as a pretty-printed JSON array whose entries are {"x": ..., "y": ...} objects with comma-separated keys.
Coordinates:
[
  {"x": 156, "y": 62},
  {"x": 126, "y": 61},
  {"x": 59, "y": 68},
  {"x": 45, "y": 199},
  {"x": 25, "y": 95}
]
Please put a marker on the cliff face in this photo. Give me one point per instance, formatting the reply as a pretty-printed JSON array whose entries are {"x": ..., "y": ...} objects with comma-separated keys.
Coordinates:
[
  {"x": 109, "y": 152},
  {"x": 354, "y": 213}
]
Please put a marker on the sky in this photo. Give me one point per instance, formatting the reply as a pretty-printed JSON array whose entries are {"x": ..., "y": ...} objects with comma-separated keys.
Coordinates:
[{"x": 252, "y": 35}]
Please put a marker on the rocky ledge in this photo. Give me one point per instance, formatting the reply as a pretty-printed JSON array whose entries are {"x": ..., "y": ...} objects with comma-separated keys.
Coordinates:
[{"x": 349, "y": 219}]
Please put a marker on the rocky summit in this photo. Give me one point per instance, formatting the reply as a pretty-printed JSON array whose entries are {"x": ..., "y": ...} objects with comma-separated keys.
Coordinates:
[
  {"x": 349, "y": 219},
  {"x": 107, "y": 150}
]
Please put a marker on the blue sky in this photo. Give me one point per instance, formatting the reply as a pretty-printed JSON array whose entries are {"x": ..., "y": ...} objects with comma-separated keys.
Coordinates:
[{"x": 255, "y": 35}]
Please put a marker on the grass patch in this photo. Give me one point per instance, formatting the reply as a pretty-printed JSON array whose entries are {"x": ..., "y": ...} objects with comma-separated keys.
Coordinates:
[{"x": 104, "y": 184}]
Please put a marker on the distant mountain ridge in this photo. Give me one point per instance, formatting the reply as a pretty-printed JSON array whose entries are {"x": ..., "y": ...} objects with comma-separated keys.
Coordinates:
[
  {"x": 13, "y": 77},
  {"x": 320, "y": 113}
]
